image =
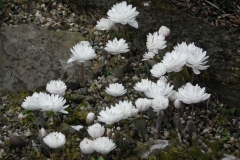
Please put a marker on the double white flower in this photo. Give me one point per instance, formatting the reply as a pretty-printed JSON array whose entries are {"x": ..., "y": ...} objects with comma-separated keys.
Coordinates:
[
  {"x": 155, "y": 42},
  {"x": 45, "y": 102},
  {"x": 116, "y": 46},
  {"x": 55, "y": 140},
  {"x": 82, "y": 52},
  {"x": 190, "y": 94},
  {"x": 196, "y": 58},
  {"x": 124, "y": 14},
  {"x": 116, "y": 90},
  {"x": 56, "y": 87},
  {"x": 104, "y": 24}
]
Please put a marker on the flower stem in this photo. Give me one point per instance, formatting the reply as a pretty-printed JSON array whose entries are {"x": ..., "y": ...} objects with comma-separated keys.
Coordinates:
[
  {"x": 124, "y": 32},
  {"x": 192, "y": 112},
  {"x": 105, "y": 38},
  {"x": 82, "y": 69}
]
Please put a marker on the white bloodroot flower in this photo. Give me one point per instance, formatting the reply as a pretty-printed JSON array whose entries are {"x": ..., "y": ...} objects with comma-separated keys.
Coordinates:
[
  {"x": 90, "y": 118},
  {"x": 143, "y": 85},
  {"x": 148, "y": 55},
  {"x": 190, "y": 94},
  {"x": 158, "y": 70},
  {"x": 55, "y": 140},
  {"x": 110, "y": 115},
  {"x": 82, "y": 52},
  {"x": 160, "y": 103},
  {"x": 197, "y": 60},
  {"x": 103, "y": 145},
  {"x": 124, "y": 14},
  {"x": 52, "y": 102},
  {"x": 195, "y": 56},
  {"x": 115, "y": 90},
  {"x": 86, "y": 146},
  {"x": 116, "y": 46},
  {"x": 96, "y": 130},
  {"x": 174, "y": 61},
  {"x": 155, "y": 42},
  {"x": 127, "y": 108},
  {"x": 56, "y": 87},
  {"x": 31, "y": 102},
  {"x": 143, "y": 104},
  {"x": 160, "y": 88},
  {"x": 163, "y": 30},
  {"x": 104, "y": 24}
]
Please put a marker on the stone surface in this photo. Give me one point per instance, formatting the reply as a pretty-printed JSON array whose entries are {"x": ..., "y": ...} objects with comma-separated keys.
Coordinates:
[{"x": 31, "y": 56}]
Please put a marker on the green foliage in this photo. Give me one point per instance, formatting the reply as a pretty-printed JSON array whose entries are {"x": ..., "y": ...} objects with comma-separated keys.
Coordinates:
[
  {"x": 100, "y": 158},
  {"x": 173, "y": 153},
  {"x": 115, "y": 35},
  {"x": 214, "y": 154},
  {"x": 221, "y": 120}
]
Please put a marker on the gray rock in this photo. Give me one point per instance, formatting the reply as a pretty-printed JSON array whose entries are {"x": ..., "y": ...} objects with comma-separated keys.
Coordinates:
[{"x": 31, "y": 56}]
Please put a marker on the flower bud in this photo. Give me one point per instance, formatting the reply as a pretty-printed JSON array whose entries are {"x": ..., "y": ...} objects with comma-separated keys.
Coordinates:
[
  {"x": 42, "y": 132},
  {"x": 164, "y": 31},
  {"x": 177, "y": 104},
  {"x": 90, "y": 118},
  {"x": 86, "y": 146}
]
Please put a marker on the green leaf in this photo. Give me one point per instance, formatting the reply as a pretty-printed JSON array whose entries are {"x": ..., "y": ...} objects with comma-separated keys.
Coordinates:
[
  {"x": 100, "y": 158},
  {"x": 92, "y": 158}
]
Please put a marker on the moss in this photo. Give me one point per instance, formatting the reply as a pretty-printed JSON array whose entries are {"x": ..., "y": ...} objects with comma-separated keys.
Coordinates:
[
  {"x": 221, "y": 120},
  {"x": 173, "y": 153}
]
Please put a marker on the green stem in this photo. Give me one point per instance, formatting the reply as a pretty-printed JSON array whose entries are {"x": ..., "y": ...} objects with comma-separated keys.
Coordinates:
[{"x": 82, "y": 68}]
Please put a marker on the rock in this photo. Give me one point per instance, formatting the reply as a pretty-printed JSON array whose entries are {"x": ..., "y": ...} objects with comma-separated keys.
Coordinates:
[
  {"x": 16, "y": 141},
  {"x": 31, "y": 56}
]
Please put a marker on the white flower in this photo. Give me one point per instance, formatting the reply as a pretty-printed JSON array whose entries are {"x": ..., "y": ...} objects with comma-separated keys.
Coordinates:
[
  {"x": 82, "y": 52},
  {"x": 127, "y": 108},
  {"x": 124, "y": 14},
  {"x": 56, "y": 87},
  {"x": 77, "y": 127},
  {"x": 52, "y": 102},
  {"x": 90, "y": 118},
  {"x": 195, "y": 56},
  {"x": 163, "y": 30},
  {"x": 86, "y": 146},
  {"x": 190, "y": 94},
  {"x": 160, "y": 103},
  {"x": 31, "y": 102},
  {"x": 196, "y": 60},
  {"x": 155, "y": 42},
  {"x": 110, "y": 115},
  {"x": 143, "y": 85},
  {"x": 96, "y": 130},
  {"x": 103, "y": 145},
  {"x": 160, "y": 88},
  {"x": 104, "y": 24},
  {"x": 158, "y": 70},
  {"x": 55, "y": 140},
  {"x": 143, "y": 104},
  {"x": 116, "y": 46},
  {"x": 148, "y": 56},
  {"x": 116, "y": 89},
  {"x": 174, "y": 61}
]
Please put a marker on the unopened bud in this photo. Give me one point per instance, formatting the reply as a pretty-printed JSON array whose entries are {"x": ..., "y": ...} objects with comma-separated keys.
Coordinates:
[
  {"x": 42, "y": 132},
  {"x": 177, "y": 104},
  {"x": 90, "y": 118}
]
